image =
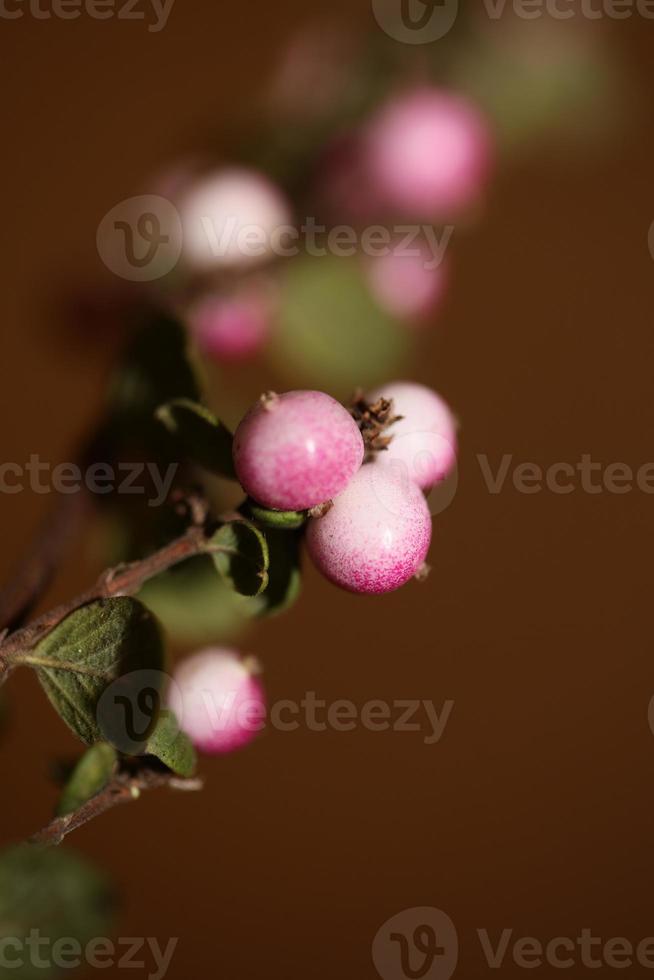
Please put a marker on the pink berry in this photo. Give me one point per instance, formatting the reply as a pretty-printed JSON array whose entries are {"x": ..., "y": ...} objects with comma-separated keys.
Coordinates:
[
  {"x": 428, "y": 153},
  {"x": 297, "y": 450},
  {"x": 232, "y": 327},
  {"x": 424, "y": 443},
  {"x": 230, "y": 218},
  {"x": 217, "y": 701},
  {"x": 407, "y": 286},
  {"x": 377, "y": 534}
]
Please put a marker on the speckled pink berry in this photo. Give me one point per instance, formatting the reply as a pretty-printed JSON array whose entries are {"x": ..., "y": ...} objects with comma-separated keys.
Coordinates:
[
  {"x": 296, "y": 450},
  {"x": 377, "y": 534},
  {"x": 408, "y": 286},
  {"x": 428, "y": 153},
  {"x": 232, "y": 327},
  {"x": 424, "y": 443},
  {"x": 217, "y": 701}
]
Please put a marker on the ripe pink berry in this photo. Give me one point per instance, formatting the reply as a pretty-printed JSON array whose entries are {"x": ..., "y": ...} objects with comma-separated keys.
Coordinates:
[
  {"x": 217, "y": 701},
  {"x": 377, "y": 534},
  {"x": 407, "y": 286},
  {"x": 428, "y": 153},
  {"x": 230, "y": 218},
  {"x": 296, "y": 450},
  {"x": 424, "y": 443},
  {"x": 232, "y": 327}
]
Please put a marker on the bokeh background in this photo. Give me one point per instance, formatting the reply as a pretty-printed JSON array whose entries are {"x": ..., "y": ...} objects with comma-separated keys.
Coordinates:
[{"x": 534, "y": 811}]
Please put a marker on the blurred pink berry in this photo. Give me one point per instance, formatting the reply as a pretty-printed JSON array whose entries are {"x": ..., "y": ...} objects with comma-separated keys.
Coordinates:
[
  {"x": 217, "y": 701},
  {"x": 428, "y": 153},
  {"x": 424, "y": 443},
  {"x": 232, "y": 327},
  {"x": 231, "y": 218},
  {"x": 296, "y": 450},
  {"x": 377, "y": 534},
  {"x": 407, "y": 286}
]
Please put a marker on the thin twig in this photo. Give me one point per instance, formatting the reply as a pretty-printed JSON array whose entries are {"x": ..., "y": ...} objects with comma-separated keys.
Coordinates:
[
  {"x": 119, "y": 581},
  {"x": 122, "y": 788}
]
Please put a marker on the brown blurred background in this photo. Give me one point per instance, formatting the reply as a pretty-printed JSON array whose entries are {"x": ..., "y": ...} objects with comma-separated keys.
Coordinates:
[{"x": 534, "y": 811}]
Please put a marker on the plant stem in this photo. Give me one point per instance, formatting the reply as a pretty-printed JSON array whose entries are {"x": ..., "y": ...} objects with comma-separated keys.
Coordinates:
[
  {"x": 120, "y": 581},
  {"x": 122, "y": 788}
]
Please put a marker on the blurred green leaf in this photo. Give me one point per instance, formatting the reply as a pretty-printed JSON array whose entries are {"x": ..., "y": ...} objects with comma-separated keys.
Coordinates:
[
  {"x": 199, "y": 435},
  {"x": 91, "y": 648},
  {"x": 90, "y": 775},
  {"x": 156, "y": 368},
  {"x": 56, "y": 893},
  {"x": 330, "y": 330},
  {"x": 171, "y": 746},
  {"x": 194, "y": 604},
  {"x": 241, "y": 557}
]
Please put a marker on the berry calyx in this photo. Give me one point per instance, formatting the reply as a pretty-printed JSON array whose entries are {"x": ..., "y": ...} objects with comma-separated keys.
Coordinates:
[
  {"x": 376, "y": 536},
  {"x": 296, "y": 450},
  {"x": 218, "y": 703}
]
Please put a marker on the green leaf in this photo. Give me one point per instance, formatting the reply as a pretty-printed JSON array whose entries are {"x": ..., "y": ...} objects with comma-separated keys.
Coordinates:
[
  {"x": 199, "y": 435},
  {"x": 285, "y": 575},
  {"x": 240, "y": 553},
  {"x": 90, "y": 775},
  {"x": 330, "y": 331},
  {"x": 171, "y": 746},
  {"x": 55, "y": 892},
  {"x": 92, "y": 648},
  {"x": 288, "y": 520}
]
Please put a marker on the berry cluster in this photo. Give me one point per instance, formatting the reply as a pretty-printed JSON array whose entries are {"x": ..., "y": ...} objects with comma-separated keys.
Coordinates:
[
  {"x": 370, "y": 528},
  {"x": 362, "y": 478}
]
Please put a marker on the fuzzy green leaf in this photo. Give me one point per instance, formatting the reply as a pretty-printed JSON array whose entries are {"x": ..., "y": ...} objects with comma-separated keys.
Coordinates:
[
  {"x": 240, "y": 553},
  {"x": 90, "y": 775},
  {"x": 171, "y": 746},
  {"x": 199, "y": 435},
  {"x": 92, "y": 648}
]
